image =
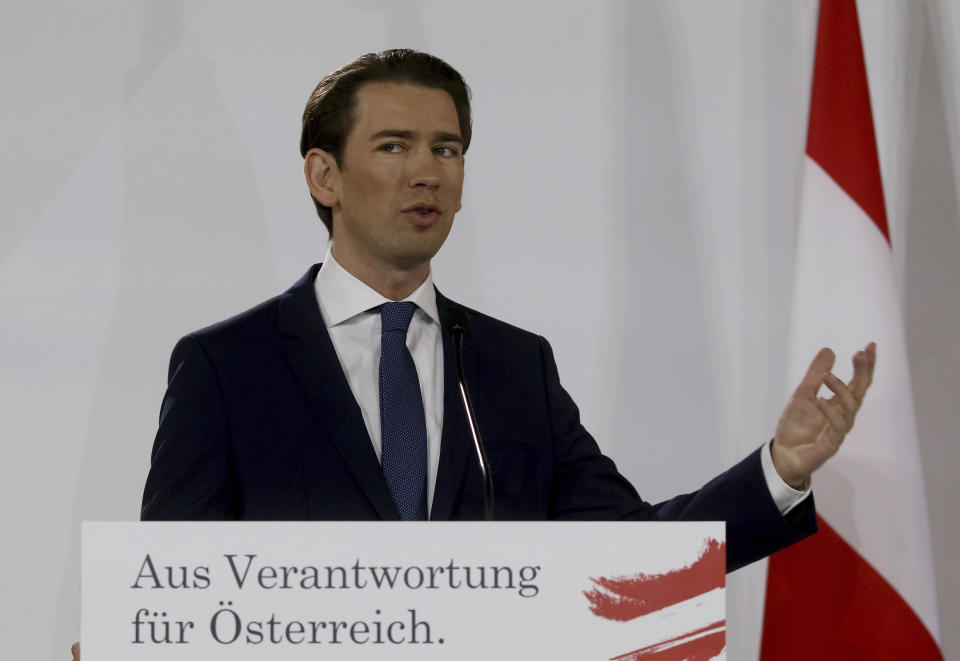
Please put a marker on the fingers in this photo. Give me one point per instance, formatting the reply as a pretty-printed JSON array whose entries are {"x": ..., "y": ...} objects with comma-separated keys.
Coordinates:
[
  {"x": 842, "y": 409},
  {"x": 846, "y": 404},
  {"x": 817, "y": 371},
  {"x": 863, "y": 364},
  {"x": 809, "y": 438},
  {"x": 837, "y": 426}
]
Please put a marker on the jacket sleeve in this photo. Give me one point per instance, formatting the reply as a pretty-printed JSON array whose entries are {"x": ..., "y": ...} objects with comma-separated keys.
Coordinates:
[
  {"x": 190, "y": 465},
  {"x": 589, "y": 486}
]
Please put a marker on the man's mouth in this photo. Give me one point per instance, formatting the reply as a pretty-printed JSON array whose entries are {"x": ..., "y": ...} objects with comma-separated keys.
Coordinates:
[{"x": 423, "y": 214}]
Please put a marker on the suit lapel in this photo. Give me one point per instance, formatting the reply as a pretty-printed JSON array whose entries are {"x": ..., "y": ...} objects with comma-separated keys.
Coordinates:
[
  {"x": 307, "y": 347},
  {"x": 455, "y": 445}
]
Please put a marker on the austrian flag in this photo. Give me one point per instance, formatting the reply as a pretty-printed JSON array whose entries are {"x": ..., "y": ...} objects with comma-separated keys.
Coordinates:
[{"x": 863, "y": 587}]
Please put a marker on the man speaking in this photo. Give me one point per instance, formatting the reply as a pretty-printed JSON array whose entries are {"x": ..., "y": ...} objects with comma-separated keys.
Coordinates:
[{"x": 338, "y": 399}]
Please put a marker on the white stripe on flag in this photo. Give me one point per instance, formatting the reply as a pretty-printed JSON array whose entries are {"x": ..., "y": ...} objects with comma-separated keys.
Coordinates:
[{"x": 845, "y": 296}]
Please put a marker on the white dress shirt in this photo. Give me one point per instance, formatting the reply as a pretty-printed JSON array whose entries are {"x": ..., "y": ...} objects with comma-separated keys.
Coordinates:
[
  {"x": 785, "y": 496},
  {"x": 346, "y": 302}
]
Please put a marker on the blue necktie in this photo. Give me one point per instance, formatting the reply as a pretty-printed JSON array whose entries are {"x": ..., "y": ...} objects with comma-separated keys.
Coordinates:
[{"x": 403, "y": 430}]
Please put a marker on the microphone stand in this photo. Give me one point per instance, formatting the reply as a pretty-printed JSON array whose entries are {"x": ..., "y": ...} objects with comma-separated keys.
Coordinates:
[{"x": 457, "y": 320}]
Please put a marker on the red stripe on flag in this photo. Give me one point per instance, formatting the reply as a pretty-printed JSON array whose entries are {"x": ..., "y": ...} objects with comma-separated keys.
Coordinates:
[
  {"x": 840, "y": 137},
  {"x": 824, "y": 601}
]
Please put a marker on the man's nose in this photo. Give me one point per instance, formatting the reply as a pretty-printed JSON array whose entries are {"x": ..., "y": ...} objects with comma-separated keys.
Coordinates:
[{"x": 424, "y": 169}]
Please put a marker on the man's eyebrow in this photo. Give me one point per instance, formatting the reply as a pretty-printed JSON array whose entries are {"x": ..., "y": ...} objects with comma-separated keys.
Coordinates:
[
  {"x": 439, "y": 136},
  {"x": 442, "y": 136}
]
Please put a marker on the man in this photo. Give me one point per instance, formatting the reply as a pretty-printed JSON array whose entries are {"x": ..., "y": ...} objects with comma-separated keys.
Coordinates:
[
  {"x": 276, "y": 413},
  {"x": 337, "y": 399}
]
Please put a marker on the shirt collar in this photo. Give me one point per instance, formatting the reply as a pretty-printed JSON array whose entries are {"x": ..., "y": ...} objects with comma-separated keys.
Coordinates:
[{"x": 342, "y": 296}]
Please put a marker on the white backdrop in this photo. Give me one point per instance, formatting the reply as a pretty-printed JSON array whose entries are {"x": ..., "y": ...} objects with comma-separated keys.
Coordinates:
[{"x": 637, "y": 159}]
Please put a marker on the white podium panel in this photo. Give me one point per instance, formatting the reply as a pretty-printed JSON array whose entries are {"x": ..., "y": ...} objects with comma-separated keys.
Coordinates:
[{"x": 376, "y": 590}]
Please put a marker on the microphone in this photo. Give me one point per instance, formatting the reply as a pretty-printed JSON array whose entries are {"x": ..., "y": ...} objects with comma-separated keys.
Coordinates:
[{"x": 457, "y": 321}]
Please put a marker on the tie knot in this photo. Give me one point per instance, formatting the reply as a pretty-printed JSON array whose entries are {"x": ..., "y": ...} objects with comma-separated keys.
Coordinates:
[{"x": 396, "y": 316}]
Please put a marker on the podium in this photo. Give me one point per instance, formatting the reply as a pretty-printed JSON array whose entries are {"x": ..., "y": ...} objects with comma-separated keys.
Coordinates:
[{"x": 630, "y": 591}]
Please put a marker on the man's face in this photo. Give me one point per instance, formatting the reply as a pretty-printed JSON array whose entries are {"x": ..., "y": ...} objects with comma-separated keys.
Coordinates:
[{"x": 400, "y": 178}]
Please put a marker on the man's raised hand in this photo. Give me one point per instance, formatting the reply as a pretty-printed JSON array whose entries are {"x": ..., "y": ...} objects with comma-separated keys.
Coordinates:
[{"x": 812, "y": 428}]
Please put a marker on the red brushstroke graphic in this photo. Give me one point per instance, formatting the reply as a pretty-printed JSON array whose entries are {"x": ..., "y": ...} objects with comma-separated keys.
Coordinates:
[
  {"x": 628, "y": 597},
  {"x": 700, "y": 645}
]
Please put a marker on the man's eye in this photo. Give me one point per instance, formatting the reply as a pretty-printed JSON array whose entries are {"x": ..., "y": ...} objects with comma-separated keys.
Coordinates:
[
  {"x": 445, "y": 151},
  {"x": 391, "y": 148}
]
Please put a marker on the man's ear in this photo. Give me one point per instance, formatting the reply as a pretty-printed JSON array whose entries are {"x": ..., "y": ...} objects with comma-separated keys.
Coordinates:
[{"x": 323, "y": 176}]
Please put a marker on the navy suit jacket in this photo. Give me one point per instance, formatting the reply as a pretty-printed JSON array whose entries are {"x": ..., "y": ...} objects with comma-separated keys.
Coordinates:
[{"x": 259, "y": 422}]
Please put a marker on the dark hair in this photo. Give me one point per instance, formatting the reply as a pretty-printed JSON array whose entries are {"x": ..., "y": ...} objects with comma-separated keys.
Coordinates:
[{"x": 329, "y": 115}]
